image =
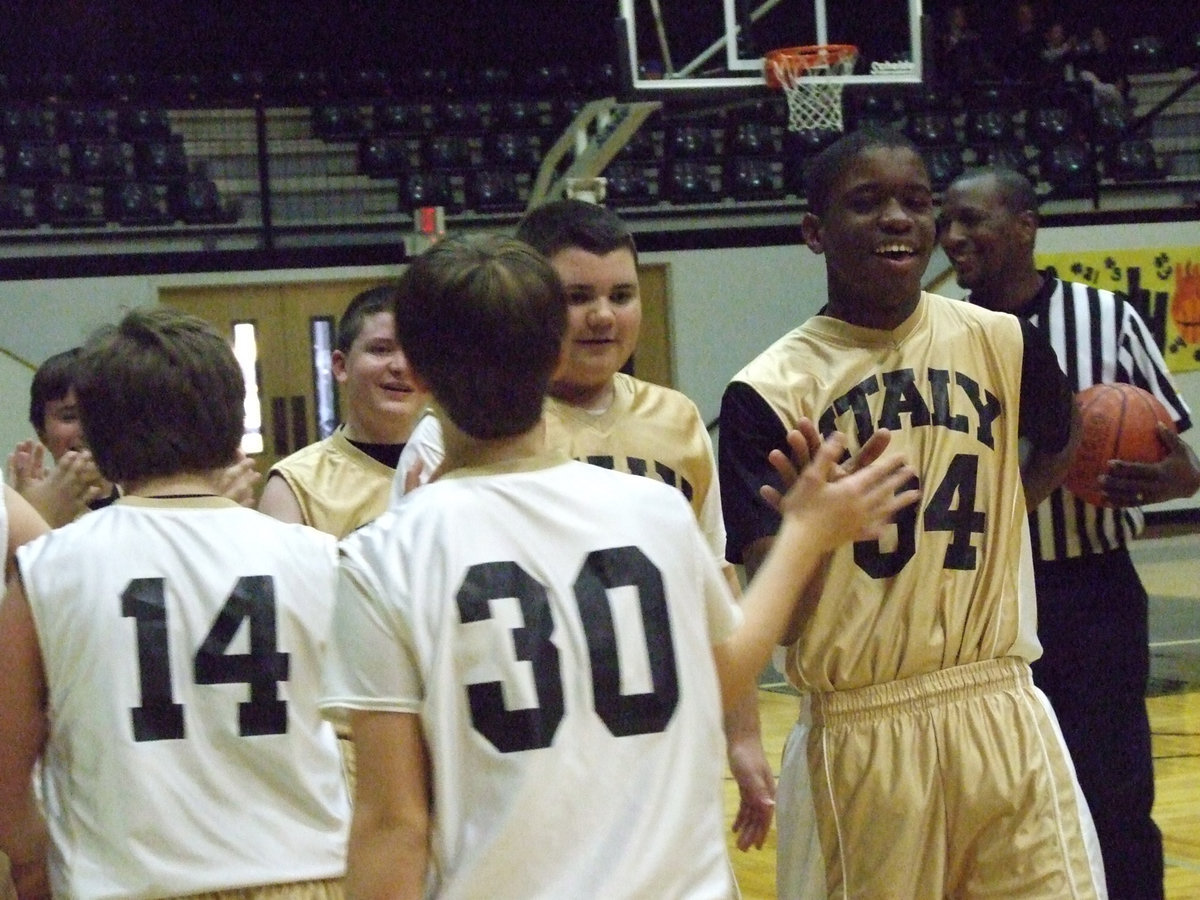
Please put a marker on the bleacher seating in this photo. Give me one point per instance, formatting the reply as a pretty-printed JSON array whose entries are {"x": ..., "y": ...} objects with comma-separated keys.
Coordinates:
[{"x": 363, "y": 142}]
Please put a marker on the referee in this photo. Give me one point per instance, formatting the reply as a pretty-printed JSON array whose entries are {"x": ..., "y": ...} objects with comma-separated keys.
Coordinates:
[{"x": 1092, "y": 607}]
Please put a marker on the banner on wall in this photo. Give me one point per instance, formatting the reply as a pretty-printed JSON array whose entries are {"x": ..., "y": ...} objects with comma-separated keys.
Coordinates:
[{"x": 1163, "y": 284}]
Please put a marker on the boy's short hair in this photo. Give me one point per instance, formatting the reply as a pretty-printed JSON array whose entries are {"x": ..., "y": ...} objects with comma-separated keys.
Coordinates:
[
  {"x": 823, "y": 171},
  {"x": 563, "y": 224},
  {"x": 481, "y": 321},
  {"x": 366, "y": 303},
  {"x": 52, "y": 381},
  {"x": 160, "y": 394}
]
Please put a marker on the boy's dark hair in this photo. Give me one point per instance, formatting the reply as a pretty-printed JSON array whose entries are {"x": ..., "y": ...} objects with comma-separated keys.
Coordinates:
[
  {"x": 562, "y": 224},
  {"x": 1016, "y": 192},
  {"x": 53, "y": 380},
  {"x": 827, "y": 167},
  {"x": 366, "y": 303},
  {"x": 160, "y": 394},
  {"x": 482, "y": 321}
]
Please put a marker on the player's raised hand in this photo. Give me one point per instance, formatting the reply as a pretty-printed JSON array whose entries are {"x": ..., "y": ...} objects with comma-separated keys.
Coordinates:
[
  {"x": 836, "y": 505},
  {"x": 804, "y": 442},
  {"x": 239, "y": 480}
]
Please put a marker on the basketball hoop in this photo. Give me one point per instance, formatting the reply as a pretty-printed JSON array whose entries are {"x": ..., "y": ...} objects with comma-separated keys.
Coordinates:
[{"x": 814, "y": 104}]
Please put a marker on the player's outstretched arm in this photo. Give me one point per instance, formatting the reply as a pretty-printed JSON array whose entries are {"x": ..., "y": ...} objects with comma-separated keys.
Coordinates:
[
  {"x": 388, "y": 853},
  {"x": 823, "y": 508},
  {"x": 23, "y": 836}
]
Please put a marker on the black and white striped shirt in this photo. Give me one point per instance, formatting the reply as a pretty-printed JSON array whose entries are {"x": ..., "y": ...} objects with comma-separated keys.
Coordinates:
[{"x": 1099, "y": 338}]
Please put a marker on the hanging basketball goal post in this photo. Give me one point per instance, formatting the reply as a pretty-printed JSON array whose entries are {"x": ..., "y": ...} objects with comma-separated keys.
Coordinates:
[{"x": 802, "y": 73}]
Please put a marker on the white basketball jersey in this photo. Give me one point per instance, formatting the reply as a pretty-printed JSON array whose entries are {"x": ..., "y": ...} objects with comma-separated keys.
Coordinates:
[
  {"x": 182, "y": 643},
  {"x": 553, "y": 627}
]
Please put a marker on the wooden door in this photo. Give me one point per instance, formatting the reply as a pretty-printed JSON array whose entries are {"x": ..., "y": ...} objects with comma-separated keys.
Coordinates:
[{"x": 284, "y": 334}]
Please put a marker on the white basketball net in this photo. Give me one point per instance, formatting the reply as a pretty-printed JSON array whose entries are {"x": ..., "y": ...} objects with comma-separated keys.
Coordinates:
[{"x": 814, "y": 104}]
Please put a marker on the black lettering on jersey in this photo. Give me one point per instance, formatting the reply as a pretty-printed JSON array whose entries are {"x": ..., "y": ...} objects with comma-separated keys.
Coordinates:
[
  {"x": 515, "y": 729},
  {"x": 939, "y": 385},
  {"x": 627, "y": 714},
  {"x": 159, "y": 717},
  {"x": 637, "y": 466},
  {"x": 253, "y": 601},
  {"x": 988, "y": 408},
  {"x": 901, "y": 397},
  {"x": 854, "y": 400},
  {"x": 951, "y": 508},
  {"x": 511, "y": 731}
]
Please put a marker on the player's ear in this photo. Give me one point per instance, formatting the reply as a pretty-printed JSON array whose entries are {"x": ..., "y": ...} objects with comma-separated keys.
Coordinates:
[
  {"x": 810, "y": 229},
  {"x": 1027, "y": 226},
  {"x": 337, "y": 365}
]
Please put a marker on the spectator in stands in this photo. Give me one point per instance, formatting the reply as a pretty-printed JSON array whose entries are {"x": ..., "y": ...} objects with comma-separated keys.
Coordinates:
[
  {"x": 1022, "y": 52},
  {"x": 1059, "y": 50},
  {"x": 962, "y": 58},
  {"x": 1101, "y": 66}
]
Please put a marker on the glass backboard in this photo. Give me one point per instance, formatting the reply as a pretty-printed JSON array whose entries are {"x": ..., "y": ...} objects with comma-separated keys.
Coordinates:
[{"x": 682, "y": 45}]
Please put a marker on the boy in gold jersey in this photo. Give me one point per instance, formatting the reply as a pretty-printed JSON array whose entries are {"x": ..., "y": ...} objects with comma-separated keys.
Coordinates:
[{"x": 924, "y": 762}]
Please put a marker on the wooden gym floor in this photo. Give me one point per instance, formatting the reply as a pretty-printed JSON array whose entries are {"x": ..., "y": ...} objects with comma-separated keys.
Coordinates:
[{"x": 1169, "y": 564}]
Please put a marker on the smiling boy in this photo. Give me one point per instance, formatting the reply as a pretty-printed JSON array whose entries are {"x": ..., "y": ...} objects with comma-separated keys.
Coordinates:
[
  {"x": 342, "y": 482},
  {"x": 924, "y": 762}
]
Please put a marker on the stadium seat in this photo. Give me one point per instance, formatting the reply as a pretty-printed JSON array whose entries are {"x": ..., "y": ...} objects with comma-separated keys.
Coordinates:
[
  {"x": 470, "y": 116},
  {"x": 633, "y": 183},
  {"x": 453, "y": 151},
  {"x": 755, "y": 139},
  {"x": 18, "y": 206},
  {"x": 1048, "y": 126},
  {"x": 197, "y": 201},
  {"x": 1146, "y": 53},
  {"x": 33, "y": 162},
  {"x": 944, "y": 165},
  {"x": 989, "y": 127},
  {"x": 694, "y": 181},
  {"x": 690, "y": 141},
  {"x": 1068, "y": 168},
  {"x": 71, "y": 205},
  {"x": 19, "y": 122},
  {"x": 521, "y": 150},
  {"x": 1132, "y": 160},
  {"x": 86, "y": 123},
  {"x": 98, "y": 161},
  {"x": 161, "y": 161},
  {"x": 525, "y": 113},
  {"x": 400, "y": 117},
  {"x": 143, "y": 122},
  {"x": 382, "y": 156},
  {"x": 338, "y": 122},
  {"x": 755, "y": 178},
  {"x": 417, "y": 189},
  {"x": 931, "y": 129},
  {"x": 134, "y": 203},
  {"x": 498, "y": 190},
  {"x": 1010, "y": 156}
]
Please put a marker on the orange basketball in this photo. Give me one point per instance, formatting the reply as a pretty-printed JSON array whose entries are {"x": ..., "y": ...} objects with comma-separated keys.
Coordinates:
[{"x": 1118, "y": 423}]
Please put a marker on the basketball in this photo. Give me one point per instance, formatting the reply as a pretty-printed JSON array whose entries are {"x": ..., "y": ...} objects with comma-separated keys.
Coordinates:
[{"x": 1118, "y": 422}]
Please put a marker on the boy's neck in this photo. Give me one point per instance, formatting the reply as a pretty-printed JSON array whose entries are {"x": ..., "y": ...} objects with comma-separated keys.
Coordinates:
[
  {"x": 595, "y": 399},
  {"x": 378, "y": 432},
  {"x": 181, "y": 484},
  {"x": 465, "y": 451}
]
